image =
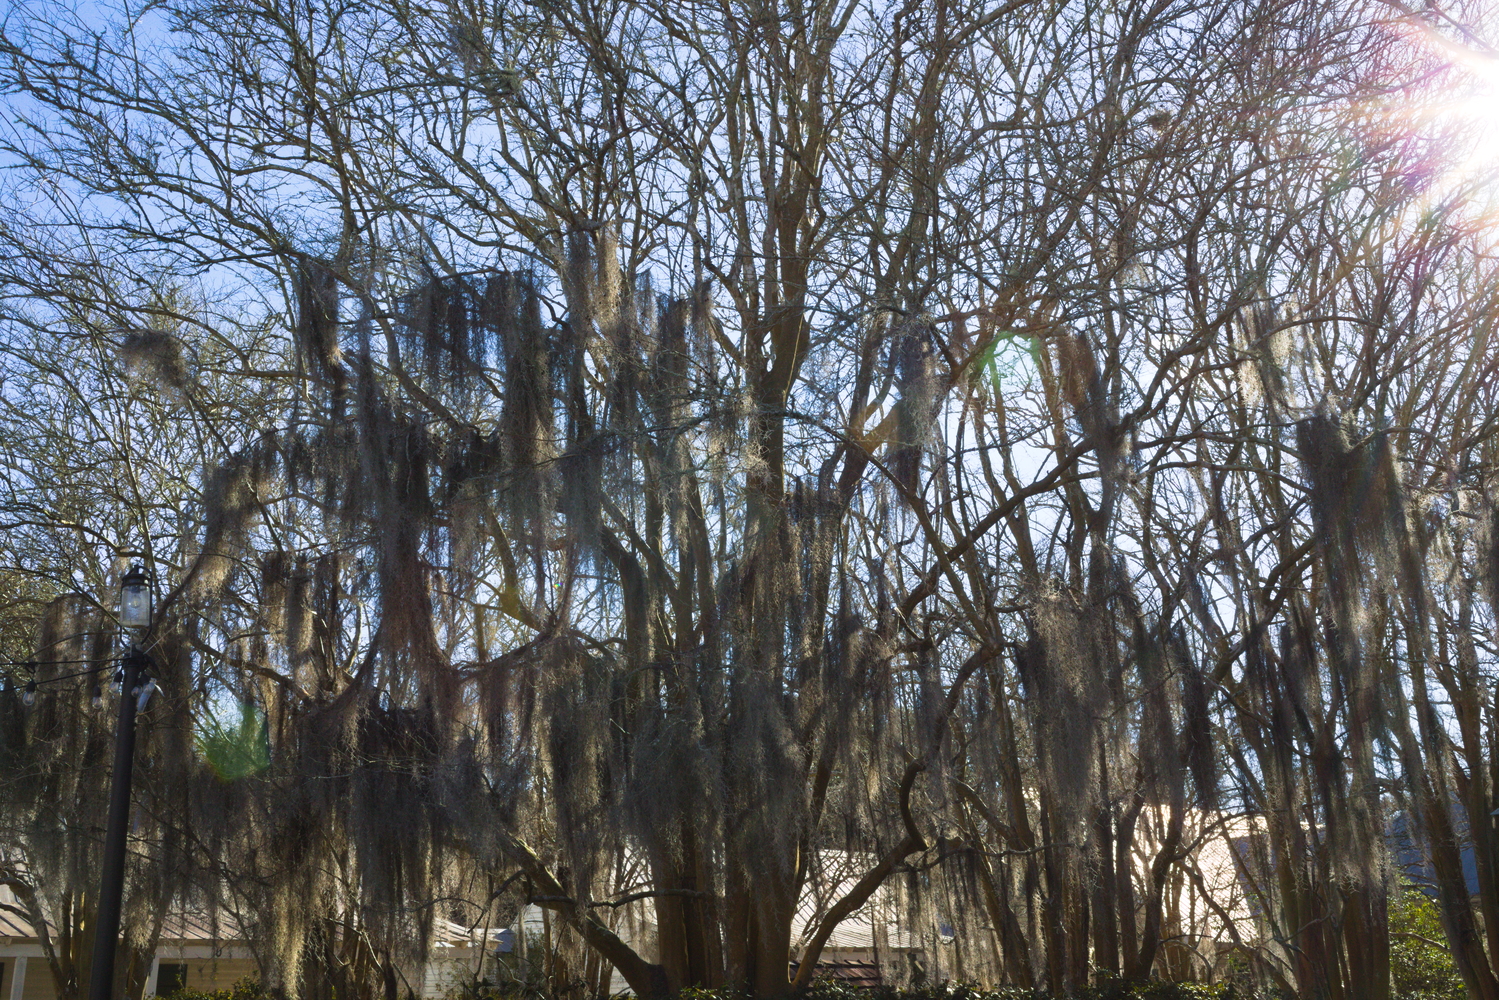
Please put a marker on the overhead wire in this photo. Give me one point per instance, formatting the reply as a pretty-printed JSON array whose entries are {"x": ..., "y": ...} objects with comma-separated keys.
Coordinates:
[{"x": 68, "y": 677}]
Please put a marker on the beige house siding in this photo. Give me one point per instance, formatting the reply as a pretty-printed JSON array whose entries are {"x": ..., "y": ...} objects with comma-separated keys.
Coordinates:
[
  {"x": 202, "y": 974},
  {"x": 39, "y": 984},
  {"x": 215, "y": 973}
]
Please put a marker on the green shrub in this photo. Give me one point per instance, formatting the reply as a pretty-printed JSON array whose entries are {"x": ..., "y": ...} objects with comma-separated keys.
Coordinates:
[
  {"x": 245, "y": 989},
  {"x": 834, "y": 989},
  {"x": 1420, "y": 962}
]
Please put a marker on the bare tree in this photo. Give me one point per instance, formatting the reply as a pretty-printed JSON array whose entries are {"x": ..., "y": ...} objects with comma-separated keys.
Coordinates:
[{"x": 700, "y": 438}]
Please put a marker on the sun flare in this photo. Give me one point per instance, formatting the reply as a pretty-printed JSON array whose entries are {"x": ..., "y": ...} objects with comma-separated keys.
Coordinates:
[{"x": 1446, "y": 126}]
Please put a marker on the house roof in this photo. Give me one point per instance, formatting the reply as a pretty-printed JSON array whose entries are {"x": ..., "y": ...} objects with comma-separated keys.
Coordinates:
[
  {"x": 12, "y": 926},
  {"x": 179, "y": 926},
  {"x": 1412, "y": 853},
  {"x": 864, "y": 974}
]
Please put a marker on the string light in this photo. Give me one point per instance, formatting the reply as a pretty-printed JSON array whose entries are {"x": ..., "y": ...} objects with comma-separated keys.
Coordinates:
[
  {"x": 29, "y": 693},
  {"x": 134, "y": 613}
]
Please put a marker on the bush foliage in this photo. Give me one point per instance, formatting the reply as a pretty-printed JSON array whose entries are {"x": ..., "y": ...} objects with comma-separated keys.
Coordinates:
[
  {"x": 1421, "y": 965},
  {"x": 245, "y": 989},
  {"x": 829, "y": 989},
  {"x": 833, "y": 989}
]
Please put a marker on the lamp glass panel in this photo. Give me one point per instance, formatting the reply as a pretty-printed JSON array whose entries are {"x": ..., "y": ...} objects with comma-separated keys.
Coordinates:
[{"x": 135, "y": 606}]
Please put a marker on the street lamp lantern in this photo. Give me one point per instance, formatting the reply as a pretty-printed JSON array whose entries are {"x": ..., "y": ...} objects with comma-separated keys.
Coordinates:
[
  {"x": 135, "y": 689},
  {"x": 135, "y": 599}
]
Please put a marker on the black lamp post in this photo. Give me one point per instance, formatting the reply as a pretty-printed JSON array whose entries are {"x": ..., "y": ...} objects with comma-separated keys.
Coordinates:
[{"x": 135, "y": 617}]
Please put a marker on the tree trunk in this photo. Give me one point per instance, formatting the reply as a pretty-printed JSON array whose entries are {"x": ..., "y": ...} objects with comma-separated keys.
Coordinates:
[{"x": 1160, "y": 870}]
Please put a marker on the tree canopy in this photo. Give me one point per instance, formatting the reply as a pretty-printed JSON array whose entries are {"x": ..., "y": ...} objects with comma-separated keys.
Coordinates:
[{"x": 617, "y": 453}]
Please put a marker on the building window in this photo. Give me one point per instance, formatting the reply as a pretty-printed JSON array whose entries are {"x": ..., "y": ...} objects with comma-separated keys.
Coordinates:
[{"x": 171, "y": 977}]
